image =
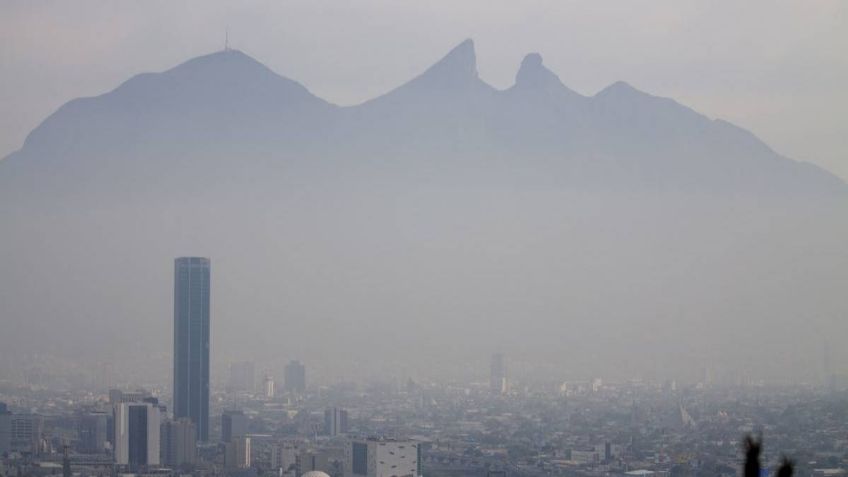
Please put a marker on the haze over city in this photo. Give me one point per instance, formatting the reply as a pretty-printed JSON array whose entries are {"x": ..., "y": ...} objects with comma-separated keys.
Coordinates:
[{"x": 627, "y": 220}]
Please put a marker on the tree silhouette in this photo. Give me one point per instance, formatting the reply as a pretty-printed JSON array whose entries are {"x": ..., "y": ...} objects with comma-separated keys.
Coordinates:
[{"x": 753, "y": 449}]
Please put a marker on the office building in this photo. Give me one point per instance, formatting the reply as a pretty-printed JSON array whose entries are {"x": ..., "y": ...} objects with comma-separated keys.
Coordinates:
[
  {"x": 93, "y": 432},
  {"x": 382, "y": 457},
  {"x": 20, "y": 432},
  {"x": 498, "y": 381},
  {"x": 137, "y": 434},
  {"x": 191, "y": 342},
  {"x": 233, "y": 425},
  {"x": 335, "y": 421},
  {"x": 178, "y": 443},
  {"x": 295, "y": 374}
]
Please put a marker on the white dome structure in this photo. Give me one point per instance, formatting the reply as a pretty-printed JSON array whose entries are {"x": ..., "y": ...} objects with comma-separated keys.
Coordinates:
[{"x": 315, "y": 473}]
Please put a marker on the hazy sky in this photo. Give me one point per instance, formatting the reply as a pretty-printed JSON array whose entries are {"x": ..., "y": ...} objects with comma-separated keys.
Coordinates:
[{"x": 778, "y": 68}]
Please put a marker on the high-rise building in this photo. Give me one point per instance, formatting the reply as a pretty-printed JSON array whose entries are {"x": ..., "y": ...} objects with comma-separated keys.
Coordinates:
[
  {"x": 233, "y": 425},
  {"x": 295, "y": 375},
  {"x": 374, "y": 457},
  {"x": 335, "y": 421},
  {"x": 93, "y": 432},
  {"x": 179, "y": 442},
  {"x": 191, "y": 342},
  {"x": 242, "y": 377},
  {"x": 498, "y": 382},
  {"x": 137, "y": 434}
]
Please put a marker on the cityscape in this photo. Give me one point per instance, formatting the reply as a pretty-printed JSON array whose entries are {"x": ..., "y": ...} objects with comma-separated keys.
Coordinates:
[
  {"x": 441, "y": 238},
  {"x": 249, "y": 425}
]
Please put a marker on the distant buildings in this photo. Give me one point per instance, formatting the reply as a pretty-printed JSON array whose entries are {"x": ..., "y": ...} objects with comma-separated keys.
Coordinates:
[
  {"x": 233, "y": 425},
  {"x": 498, "y": 381},
  {"x": 179, "y": 443},
  {"x": 137, "y": 434},
  {"x": 335, "y": 421},
  {"x": 290, "y": 458},
  {"x": 295, "y": 374},
  {"x": 382, "y": 457},
  {"x": 191, "y": 342}
]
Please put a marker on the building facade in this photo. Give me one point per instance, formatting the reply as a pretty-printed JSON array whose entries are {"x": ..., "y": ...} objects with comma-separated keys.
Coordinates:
[
  {"x": 382, "y": 458},
  {"x": 237, "y": 453},
  {"x": 335, "y": 421},
  {"x": 93, "y": 432},
  {"x": 191, "y": 342},
  {"x": 178, "y": 443},
  {"x": 137, "y": 434}
]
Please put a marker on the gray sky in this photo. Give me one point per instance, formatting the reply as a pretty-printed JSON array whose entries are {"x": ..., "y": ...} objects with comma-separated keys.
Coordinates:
[{"x": 778, "y": 68}]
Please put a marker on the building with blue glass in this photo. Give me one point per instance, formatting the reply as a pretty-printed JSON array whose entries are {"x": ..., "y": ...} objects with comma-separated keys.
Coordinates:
[{"x": 191, "y": 342}]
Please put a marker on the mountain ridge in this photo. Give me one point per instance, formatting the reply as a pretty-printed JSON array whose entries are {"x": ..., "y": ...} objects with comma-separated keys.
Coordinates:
[{"x": 229, "y": 93}]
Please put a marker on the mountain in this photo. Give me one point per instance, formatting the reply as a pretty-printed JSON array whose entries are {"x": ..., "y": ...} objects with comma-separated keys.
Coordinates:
[{"x": 610, "y": 232}]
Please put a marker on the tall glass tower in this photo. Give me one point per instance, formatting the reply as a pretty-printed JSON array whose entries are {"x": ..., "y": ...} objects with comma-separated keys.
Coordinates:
[{"x": 191, "y": 342}]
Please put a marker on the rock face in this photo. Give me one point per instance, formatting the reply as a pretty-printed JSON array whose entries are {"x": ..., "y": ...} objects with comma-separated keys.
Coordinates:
[{"x": 578, "y": 229}]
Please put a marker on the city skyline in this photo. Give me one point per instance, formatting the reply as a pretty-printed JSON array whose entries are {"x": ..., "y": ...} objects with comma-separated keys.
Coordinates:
[{"x": 478, "y": 239}]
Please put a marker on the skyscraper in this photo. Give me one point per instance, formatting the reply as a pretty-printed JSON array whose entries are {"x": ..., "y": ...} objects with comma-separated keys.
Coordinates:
[
  {"x": 498, "y": 383},
  {"x": 191, "y": 342},
  {"x": 295, "y": 375}
]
